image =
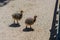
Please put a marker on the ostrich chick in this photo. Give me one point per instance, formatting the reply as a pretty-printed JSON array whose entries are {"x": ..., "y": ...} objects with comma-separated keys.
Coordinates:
[
  {"x": 30, "y": 21},
  {"x": 17, "y": 16}
]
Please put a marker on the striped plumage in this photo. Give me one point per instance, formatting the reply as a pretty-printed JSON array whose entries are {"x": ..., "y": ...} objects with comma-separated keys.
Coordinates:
[
  {"x": 17, "y": 16},
  {"x": 30, "y": 21}
]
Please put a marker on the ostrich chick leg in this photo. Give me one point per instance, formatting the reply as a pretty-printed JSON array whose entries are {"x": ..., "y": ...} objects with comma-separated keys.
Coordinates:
[
  {"x": 26, "y": 26},
  {"x": 17, "y": 22},
  {"x": 14, "y": 21},
  {"x": 30, "y": 26}
]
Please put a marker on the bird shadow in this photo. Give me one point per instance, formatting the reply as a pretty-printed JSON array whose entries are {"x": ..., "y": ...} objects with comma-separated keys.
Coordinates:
[
  {"x": 28, "y": 29},
  {"x": 14, "y": 25}
]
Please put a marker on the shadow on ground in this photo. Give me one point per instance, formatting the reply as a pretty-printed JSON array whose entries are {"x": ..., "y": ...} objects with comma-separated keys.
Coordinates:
[
  {"x": 4, "y": 2},
  {"x": 59, "y": 29},
  {"x": 53, "y": 30},
  {"x": 28, "y": 29},
  {"x": 14, "y": 25}
]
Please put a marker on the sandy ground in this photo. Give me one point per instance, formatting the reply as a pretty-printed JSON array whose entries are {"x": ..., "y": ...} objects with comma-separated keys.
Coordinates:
[{"x": 44, "y": 9}]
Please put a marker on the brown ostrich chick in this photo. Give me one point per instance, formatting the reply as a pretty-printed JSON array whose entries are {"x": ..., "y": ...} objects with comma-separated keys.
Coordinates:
[
  {"x": 17, "y": 16},
  {"x": 30, "y": 21}
]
